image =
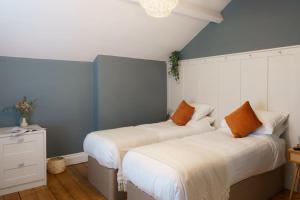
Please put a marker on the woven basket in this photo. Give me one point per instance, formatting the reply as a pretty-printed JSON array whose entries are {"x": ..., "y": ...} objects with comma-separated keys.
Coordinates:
[{"x": 56, "y": 165}]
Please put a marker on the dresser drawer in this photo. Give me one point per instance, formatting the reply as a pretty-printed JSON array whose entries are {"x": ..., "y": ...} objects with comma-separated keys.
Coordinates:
[
  {"x": 25, "y": 150},
  {"x": 21, "y": 159},
  {"x": 14, "y": 145},
  {"x": 21, "y": 175}
]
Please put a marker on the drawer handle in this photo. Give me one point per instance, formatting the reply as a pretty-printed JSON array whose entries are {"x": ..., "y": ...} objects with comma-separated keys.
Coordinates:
[
  {"x": 20, "y": 140},
  {"x": 21, "y": 165}
]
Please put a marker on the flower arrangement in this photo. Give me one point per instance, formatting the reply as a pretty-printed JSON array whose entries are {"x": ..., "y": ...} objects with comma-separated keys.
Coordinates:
[{"x": 25, "y": 107}]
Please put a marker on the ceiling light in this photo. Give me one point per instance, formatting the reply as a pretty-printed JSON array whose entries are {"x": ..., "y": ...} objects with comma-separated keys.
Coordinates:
[{"x": 158, "y": 8}]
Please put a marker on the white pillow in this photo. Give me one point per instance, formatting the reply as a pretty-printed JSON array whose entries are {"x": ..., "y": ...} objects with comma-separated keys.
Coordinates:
[
  {"x": 203, "y": 124},
  {"x": 273, "y": 123},
  {"x": 201, "y": 110},
  {"x": 271, "y": 120},
  {"x": 211, "y": 120},
  {"x": 278, "y": 131},
  {"x": 224, "y": 124}
]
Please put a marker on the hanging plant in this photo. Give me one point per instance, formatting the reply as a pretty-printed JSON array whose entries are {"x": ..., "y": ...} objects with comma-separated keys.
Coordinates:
[{"x": 174, "y": 62}]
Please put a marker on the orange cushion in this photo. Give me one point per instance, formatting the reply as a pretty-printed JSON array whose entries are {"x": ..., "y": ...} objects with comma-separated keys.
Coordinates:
[
  {"x": 243, "y": 121},
  {"x": 183, "y": 114}
]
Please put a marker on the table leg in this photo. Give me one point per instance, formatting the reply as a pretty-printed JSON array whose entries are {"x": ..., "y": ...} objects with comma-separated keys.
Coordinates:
[{"x": 295, "y": 179}]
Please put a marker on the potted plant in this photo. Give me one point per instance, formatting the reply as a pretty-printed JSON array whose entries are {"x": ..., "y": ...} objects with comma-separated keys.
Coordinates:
[{"x": 174, "y": 62}]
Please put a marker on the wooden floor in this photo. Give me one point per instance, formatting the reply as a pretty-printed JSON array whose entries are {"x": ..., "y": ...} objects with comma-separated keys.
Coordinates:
[{"x": 73, "y": 185}]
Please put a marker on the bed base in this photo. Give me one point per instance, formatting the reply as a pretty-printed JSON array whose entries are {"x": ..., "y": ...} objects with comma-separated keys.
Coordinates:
[
  {"x": 105, "y": 180},
  {"x": 259, "y": 187}
]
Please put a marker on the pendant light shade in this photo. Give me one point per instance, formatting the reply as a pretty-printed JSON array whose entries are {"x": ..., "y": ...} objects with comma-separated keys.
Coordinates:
[{"x": 158, "y": 8}]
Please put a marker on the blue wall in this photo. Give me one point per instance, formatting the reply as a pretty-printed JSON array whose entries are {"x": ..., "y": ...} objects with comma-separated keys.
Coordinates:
[
  {"x": 249, "y": 25},
  {"x": 64, "y": 93},
  {"x": 128, "y": 91},
  {"x": 75, "y": 98}
]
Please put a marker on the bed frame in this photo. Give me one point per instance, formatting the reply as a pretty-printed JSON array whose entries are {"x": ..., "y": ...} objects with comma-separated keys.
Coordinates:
[
  {"x": 259, "y": 187},
  {"x": 105, "y": 180}
]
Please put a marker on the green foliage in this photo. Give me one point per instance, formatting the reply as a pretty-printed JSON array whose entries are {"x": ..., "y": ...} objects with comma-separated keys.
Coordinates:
[{"x": 174, "y": 62}]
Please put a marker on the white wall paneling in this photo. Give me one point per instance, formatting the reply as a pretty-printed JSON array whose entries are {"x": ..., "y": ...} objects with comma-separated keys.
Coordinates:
[
  {"x": 254, "y": 85},
  {"x": 229, "y": 87},
  {"x": 269, "y": 79}
]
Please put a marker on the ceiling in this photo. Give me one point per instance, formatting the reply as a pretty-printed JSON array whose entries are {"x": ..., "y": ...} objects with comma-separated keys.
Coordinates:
[{"x": 81, "y": 29}]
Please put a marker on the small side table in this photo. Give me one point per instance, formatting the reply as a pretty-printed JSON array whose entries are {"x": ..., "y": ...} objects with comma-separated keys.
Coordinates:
[{"x": 294, "y": 157}]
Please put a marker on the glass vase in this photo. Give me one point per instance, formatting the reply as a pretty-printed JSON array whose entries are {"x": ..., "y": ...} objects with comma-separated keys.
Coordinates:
[{"x": 24, "y": 122}]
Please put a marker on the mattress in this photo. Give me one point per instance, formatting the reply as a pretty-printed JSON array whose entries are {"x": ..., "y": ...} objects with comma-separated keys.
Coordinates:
[
  {"x": 245, "y": 157},
  {"x": 109, "y": 146}
]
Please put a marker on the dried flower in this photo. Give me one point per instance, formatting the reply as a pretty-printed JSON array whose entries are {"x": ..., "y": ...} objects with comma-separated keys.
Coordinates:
[{"x": 25, "y": 107}]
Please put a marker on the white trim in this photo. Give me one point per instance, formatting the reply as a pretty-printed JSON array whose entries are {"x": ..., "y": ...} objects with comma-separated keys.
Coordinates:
[
  {"x": 244, "y": 55},
  {"x": 75, "y": 158}
]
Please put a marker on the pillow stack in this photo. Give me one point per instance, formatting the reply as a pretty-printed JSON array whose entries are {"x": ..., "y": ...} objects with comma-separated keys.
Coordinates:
[
  {"x": 183, "y": 114},
  {"x": 245, "y": 121},
  {"x": 274, "y": 123},
  {"x": 189, "y": 113}
]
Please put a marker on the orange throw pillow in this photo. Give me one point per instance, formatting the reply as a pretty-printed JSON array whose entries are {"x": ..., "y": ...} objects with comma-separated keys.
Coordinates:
[
  {"x": 183, "y": 114},
  {"x": 243, "y": 121}
]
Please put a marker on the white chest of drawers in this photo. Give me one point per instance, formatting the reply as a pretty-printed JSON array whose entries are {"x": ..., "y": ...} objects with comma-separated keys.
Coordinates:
[{"x": 22, "y": 160}]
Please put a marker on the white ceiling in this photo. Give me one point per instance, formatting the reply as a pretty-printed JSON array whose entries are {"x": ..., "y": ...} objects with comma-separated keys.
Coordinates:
[{"x": 81, "y": 29}]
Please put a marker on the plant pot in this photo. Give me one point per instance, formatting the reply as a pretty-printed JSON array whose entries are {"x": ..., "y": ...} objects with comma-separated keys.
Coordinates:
[{"x": 24, "y": 122}]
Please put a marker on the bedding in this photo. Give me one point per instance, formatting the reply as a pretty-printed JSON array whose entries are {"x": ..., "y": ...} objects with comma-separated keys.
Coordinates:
[
  {"x": 240, "y": 159},
  {"x": 275, "y": 123},
  {"x": 271, "y": 120},
  {"x": 201, "y": 110},
  {"x": 193, "y": 123},
  {"x": 108, "y": 147},
  {"x": 243, "y": 121},
  {"x": 183, "y": 114}
]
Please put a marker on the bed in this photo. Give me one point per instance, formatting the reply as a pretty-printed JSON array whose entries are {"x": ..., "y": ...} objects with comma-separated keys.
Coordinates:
[
  {"x": 106, "y": 150},
  {"x": 228, "y": 168}
]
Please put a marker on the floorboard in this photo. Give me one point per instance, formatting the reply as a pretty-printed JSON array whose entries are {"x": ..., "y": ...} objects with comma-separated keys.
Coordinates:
[
  {"x": 13, "y": 196},
  {"x": 74, "y": 185}
]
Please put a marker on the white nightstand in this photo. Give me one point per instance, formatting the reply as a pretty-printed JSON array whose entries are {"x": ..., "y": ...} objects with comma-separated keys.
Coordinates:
[{"x": 22, "y": 160}]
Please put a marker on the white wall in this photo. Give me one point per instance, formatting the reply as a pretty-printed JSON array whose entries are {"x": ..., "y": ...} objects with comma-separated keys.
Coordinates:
[{"x": 269, "y": 79}]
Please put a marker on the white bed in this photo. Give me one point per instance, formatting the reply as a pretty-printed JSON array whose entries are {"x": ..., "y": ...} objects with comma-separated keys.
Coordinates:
[
  {"x": 244, "y": 157},
  {"x": 109, "y": 146}
]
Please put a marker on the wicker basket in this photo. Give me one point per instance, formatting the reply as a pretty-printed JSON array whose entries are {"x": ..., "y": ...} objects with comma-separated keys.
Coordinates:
[{"x": 56, "y": 165}]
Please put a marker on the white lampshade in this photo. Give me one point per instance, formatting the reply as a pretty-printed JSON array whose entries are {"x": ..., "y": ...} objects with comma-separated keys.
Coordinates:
[{"x": 158, "y": 8}]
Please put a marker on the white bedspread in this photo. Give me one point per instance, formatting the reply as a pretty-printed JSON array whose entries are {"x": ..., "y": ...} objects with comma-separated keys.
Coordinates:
[
  {"x": 108, "y": 147},
  {"x": 244, "y": 157}
]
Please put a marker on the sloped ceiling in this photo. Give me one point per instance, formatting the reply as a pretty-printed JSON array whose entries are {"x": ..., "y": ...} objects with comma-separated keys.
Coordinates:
[{"x": 81, "y": 29}]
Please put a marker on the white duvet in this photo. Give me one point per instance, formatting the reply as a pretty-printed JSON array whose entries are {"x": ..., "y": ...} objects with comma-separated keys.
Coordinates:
[
  {"x": 166, "y": 178},
  {"x": 108, "y": 147}
]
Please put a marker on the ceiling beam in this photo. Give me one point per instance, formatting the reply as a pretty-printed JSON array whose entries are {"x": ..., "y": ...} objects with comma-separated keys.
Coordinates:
[
  {"x": 199, "y": 12},
  {"x": 193, "y": 10}
]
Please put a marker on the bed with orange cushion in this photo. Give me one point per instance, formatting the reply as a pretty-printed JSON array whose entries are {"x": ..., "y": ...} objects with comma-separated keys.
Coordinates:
[
  {"x": 211, "y": 166},
  {"x": 170, "y": 170}
]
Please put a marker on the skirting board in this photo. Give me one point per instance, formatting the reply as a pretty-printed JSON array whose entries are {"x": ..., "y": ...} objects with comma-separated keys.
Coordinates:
[{"x": 75, "y": 158}]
